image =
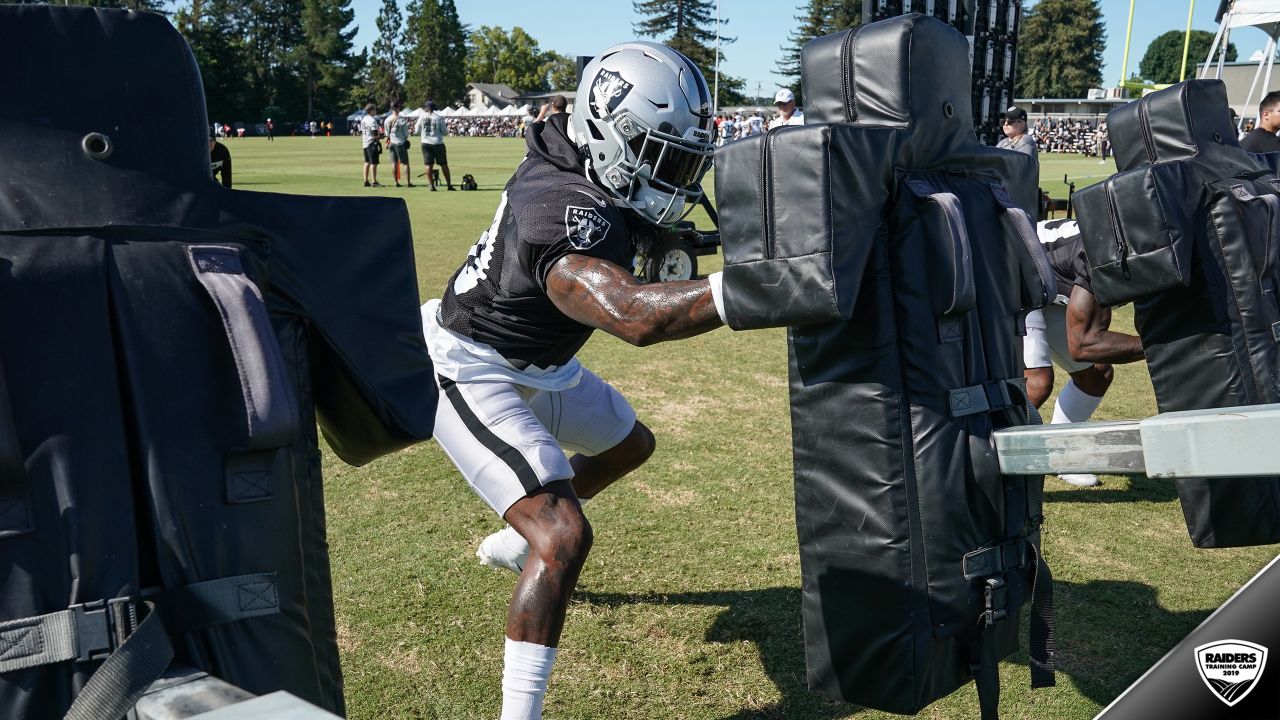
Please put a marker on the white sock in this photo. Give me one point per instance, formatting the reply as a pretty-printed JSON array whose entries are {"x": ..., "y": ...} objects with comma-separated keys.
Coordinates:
[
  {"x": 515, "y": 542},
  {"x": 525, "y": 670},
  {"x": 1074, "y": 405}
]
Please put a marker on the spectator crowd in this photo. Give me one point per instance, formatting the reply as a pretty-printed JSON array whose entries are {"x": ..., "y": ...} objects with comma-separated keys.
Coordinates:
[{"x": 1087, "y": 136}]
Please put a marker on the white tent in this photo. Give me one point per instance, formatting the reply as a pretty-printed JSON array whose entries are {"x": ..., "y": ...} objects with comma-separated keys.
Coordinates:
[
  {"x": 509, "y": 111},
  {"x": 1262, "y": 14},
  {"x": 449, "y": 111}
]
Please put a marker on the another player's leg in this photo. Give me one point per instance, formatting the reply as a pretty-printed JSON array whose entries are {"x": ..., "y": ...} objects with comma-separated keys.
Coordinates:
[
  {"x": 1037, "y": 360},
  {"x": 1083, "y": 392}
]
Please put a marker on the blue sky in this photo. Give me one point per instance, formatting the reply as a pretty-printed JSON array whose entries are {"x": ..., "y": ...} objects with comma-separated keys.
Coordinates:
[{"x": 584, "y": 28}]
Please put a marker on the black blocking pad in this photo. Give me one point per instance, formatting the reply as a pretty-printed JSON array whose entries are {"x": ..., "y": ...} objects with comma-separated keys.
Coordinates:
[
  {"x": 169, "y": 348},
  {"x": 1189, "y": 233},
  {"x": 899, "y": 253}
]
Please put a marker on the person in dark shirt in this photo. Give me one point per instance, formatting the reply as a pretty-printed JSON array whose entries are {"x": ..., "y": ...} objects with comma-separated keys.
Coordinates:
[
  {"x": 219, "y": 160},
  {"x": 1074, "y": 332},
  {"x": 1262, "y": 139},
  {"x": 553, "y": 267}
]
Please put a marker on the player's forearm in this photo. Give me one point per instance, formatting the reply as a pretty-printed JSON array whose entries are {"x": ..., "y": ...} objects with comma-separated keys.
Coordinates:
[
  {"x": 606, "y": 297},
  {"x": 1106, "y": 347}
]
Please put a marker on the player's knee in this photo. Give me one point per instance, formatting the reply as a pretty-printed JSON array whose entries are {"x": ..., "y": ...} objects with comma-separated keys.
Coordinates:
[
  {"x": 565, "y": 541},
  {"x": 640, "y": 444},
  {"x": 1095, "y": 380},
  {"x": 1039, "y": 384}
]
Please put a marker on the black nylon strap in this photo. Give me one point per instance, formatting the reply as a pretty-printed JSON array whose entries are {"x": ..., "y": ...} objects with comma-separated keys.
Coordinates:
[
  {"x": 1043, "y": 647},
  {"x": 986, "y": 676},
  {"x": 271, "y": 411},
  {"x": 123, "y": 678}
]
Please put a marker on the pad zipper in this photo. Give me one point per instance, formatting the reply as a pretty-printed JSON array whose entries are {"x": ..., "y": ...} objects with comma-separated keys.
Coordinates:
[
  {"x": 766, "y": 199},
  {"x": 846, "y": 62},
  {"x": 1144, "y": 120},
  {"x": 1122, "y": 248}
]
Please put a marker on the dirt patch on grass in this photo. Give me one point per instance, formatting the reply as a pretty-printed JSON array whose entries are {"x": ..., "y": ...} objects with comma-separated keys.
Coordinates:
[{"x": 678, "y": 497}]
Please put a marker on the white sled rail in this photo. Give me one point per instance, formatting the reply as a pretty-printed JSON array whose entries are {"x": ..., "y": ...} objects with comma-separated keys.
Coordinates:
[
  {"x": 1218, "y": 442},
  {"x": 188, "y": 694}
]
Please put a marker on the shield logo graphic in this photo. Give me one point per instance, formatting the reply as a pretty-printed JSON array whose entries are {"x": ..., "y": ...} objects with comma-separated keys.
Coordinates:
[
  {"x": 584, "y": 226},
  {"x": 1231, "y": 668}
]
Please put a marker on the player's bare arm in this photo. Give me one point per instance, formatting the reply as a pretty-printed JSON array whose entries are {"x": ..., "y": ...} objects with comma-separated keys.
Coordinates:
[
  {"x": 1089, "y": 337},
  {"x": 603, "y": 295}
]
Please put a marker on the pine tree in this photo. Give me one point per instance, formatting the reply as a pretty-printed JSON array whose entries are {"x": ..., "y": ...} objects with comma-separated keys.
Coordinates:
[
  {"x": 682, "y": 26},
  {"x": 1060, "y": 51},
  {"x": 387, "y": 58},
  {"x": 209, "y": 27},
  {"x": 423, "y": 34},
  {"x": 453, "y": 54},
  {"x": 324, "y": 56},
  {"x": 817, "y": 18}
]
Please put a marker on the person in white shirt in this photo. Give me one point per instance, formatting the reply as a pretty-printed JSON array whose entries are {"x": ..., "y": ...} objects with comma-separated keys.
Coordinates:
[
  {"x": 785, "y": 101},
  {"x": 726, "y": 130},
  {"x": 369, "y": 141},
  {"x": 431, "y": 129},
  {"x": 755, "y": 123},
  {"x": 397, "y": 128}
]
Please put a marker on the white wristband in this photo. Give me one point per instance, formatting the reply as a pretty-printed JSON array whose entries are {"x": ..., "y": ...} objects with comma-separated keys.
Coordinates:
[{"x": 717, "y": 294}]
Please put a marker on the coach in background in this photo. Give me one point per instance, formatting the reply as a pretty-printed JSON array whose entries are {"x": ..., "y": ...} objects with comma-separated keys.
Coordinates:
[
  {"x": 1073, "y": 333},
  {"x": 1015, "y": 133},
  {"x": 1262, "y": 139},
  {"x": 432, "y": 128},
  {"x": 397, "y": 128},
  {"x": 554, "y": 267},
  {"x": 785, "y": 102},
  {"x": 219, "y": 160},
  {"x": 372, "y": 146}
]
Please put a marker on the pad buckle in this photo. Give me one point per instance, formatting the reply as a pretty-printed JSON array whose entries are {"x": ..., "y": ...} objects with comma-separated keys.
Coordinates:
[
  {"x": 995, "y": 597},
  {"x": 102, "y": 626}
]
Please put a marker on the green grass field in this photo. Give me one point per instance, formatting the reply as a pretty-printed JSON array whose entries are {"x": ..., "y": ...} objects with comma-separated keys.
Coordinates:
[{"x": 688, "y": 606}]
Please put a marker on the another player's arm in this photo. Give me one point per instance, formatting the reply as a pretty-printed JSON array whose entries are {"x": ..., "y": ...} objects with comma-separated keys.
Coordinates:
[
  {"x": 603, "y": 295},
  {"x": 1089, "y": 337}
]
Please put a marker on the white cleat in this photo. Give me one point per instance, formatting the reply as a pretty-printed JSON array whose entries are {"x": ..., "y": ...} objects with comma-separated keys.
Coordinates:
[
  {"x": 1080, "y": 479},
  {"x": 504, "y": 549}
]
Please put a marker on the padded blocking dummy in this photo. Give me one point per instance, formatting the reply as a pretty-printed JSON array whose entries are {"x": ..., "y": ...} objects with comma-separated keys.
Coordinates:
[
  {"x": 899, "y": 252},
  {"x": 1189, "y": 231},
  {"x": 167, "y": 348}
]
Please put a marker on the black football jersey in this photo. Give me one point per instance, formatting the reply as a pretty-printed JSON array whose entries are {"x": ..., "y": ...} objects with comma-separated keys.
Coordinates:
[
  {"x": 498, "y": 296},
  {"x": 1065, "y": 247}
]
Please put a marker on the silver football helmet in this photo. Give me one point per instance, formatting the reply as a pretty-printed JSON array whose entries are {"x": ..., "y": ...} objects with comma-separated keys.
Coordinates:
[{"x": 643, "y": 118}]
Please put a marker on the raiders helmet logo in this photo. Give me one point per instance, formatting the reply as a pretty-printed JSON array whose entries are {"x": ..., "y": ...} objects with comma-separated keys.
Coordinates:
[
  {"x": 607, "y": 92},
  {"x": 584, "y": 226}
]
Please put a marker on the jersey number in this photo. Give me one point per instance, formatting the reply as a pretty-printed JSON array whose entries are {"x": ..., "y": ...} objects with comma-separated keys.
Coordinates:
[{"x": 476, "y": 268}]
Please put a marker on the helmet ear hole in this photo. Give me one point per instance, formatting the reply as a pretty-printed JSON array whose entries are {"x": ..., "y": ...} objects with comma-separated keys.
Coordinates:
[{"x": 595, "y": 131}]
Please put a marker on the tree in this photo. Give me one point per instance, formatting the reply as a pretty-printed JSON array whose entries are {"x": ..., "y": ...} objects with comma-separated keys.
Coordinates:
[
  {"x": 560, "y": 71},
  {"x": 817, "y": 18},
  {"x": 513, "y": 59},
  {"x": 208, "y": 26},
  {"x": 1060, "y": 51},
  {"x": 324, "y": 57},
  {"x": 387, "y": 58},
  {"x": 452, "y": 53},
  {"x": 1162, "y": 62},
  {"x": 682, "y": 26}
]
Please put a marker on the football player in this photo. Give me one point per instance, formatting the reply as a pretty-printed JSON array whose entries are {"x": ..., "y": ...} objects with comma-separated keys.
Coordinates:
[
  {"x": 1074, "y": 333},
  {"x": 553, "y": 267}
]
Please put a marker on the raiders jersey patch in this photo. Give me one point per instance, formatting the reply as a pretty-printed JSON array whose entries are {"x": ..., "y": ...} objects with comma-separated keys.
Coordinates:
[
  {"x": 607, "y": 91},
  {"x": 584, "y": 226}
]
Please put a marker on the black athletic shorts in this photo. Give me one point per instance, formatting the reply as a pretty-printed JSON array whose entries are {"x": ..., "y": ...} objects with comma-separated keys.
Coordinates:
[
  {"x": 371, "y": 154},
  {"x": 399, "y": 152},
  {"x": 433, "y": 154}
]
